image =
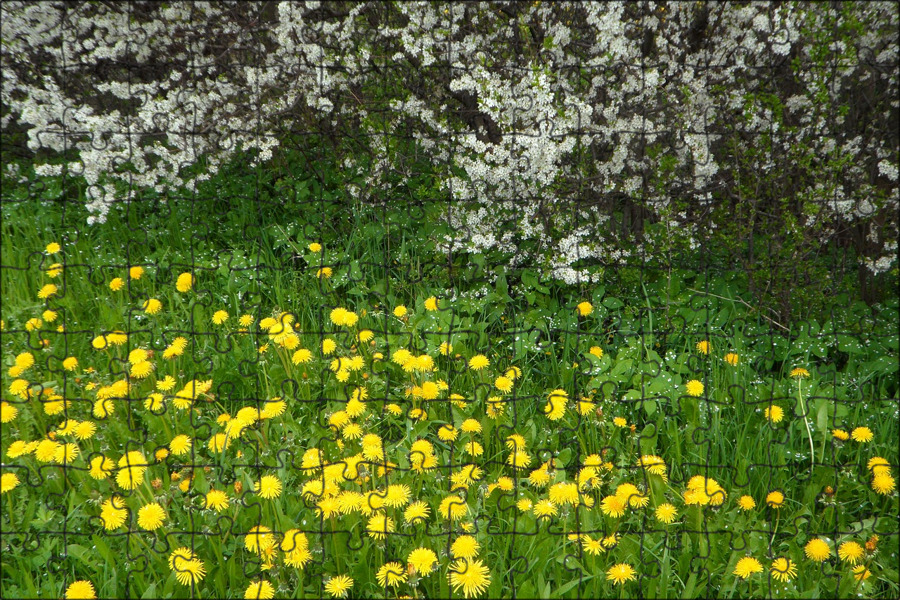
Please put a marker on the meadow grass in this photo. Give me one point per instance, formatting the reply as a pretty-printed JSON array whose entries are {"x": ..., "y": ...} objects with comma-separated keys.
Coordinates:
[{"x": 544, "y": 466}]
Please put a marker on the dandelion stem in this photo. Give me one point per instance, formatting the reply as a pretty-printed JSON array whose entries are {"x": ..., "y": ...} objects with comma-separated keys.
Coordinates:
[
  {"x": 775, "y": 531},
  {"x": 812, "y": 452},
  {"x": 860, "y": 579}
]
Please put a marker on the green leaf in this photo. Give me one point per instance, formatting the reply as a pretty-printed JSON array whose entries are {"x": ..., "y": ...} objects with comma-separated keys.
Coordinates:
[
  {"x": 613, "y": 303},
  {"x": 822, "y": 414},
  {"x": 648, "y": 437},
  {"x": 849, "y": 344}
]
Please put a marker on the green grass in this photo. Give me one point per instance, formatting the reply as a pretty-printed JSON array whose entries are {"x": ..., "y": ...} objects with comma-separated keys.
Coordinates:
[{"x": 253, "y": 259}]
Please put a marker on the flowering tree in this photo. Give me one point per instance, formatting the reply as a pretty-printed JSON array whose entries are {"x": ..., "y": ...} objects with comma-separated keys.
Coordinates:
[{"x": 573, "y": 134}]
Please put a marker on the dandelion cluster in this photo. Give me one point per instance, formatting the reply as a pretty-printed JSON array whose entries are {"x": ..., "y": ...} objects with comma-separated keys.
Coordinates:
[{"x": 403, "y": 443}]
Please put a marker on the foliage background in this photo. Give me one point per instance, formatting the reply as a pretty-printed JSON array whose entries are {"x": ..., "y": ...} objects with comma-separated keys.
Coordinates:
[{"x": 718, "y": 171}]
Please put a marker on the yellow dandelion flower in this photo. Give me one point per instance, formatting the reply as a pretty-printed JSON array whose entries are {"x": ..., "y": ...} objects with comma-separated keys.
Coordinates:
[
  {"x": 620, "y": 573},
  {"x": 584, "y": 308},
  {"x": 774, "y": 413},
  {"x": 564, "y": 493},
  {"x": 187, "y": 571},
  {"x": 141, "y": 370},
  {"x": 132, "y": 467},
  {"x": 19, "y": 388},
  {"x": 65, "y": 454},
  {"x": 799, "y": 372},
  {"x": 391, "y": 574},
  {"x": 8, "y": 482},
  {"x": 417, "y": 511},
  {"x": 25, "y": 360},
  {"x": 294, "y": 539},
  {"x": 465, "y": 546},
  {"x": 46, "y": 450},
  {"x": 666, "y": 513},
  {"x": 315, "y": 247},
  {"x": 422, "y": 561},
  {"x": 152, "y": 306},
  {"x": 850, "y": 552},
  {"x": 48, "y": 290},
  {"x": 101, "y": 467},
  {"x": 81, "y": 590},
  {"x": 783, "y": 569},
  {"x": 379, "y": 526},
  {"x": 775, "y": 499},
  {"x": 613, "y": 506},
  {"x": 861, "y": 573},
  {"x": 746, "y": 503},
  {"x": 539, "y": 477},
  {"x": 878, "y": 465},
  {"x": 747, "y": 566},
  {"x": 592, "y": 546},
  {"x": 268, "y": 487},
  {"x": 301, "y": 356},
  {"x": 703, "y": 347},
  {"x": 116, "y": 284},
  {"x": 478, "y": 362},
  {"x": 217, "y": 500},
  {"x": 817, "y": 549},
  {"x": 504, "y": 384},
  {"x": 184, "y": 282},
  {"x": 113, "y": 513},
  {"x": 261, "y": 590},
  {"x": 453, "y": 507},
  {"x": 151, "y": 516},
  {"x": 20, "y": 448},
  {"x": 339, "y": 586},
  {"x": 519, "y": 460},
  {"x": 653, "y": 464},
  {"x": 473, "y": 577},
  {"x": 840, "y": 434},
  {"x": 585, "y": 406},
  {"x": 219, "y": 317},
  {"x": 258, "y": 539},
  {"x": 883, "y": 484},
  {"x": 694, "y": 388},
  {"x": 862, "y": 435},
  {"x": 556, "y": 404},
  {"x": 8, "y": 412},
  {"x": 448, "y": 433},
  {"x": 180, "y": 444},
  {"x": 732, "y": 359}
]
